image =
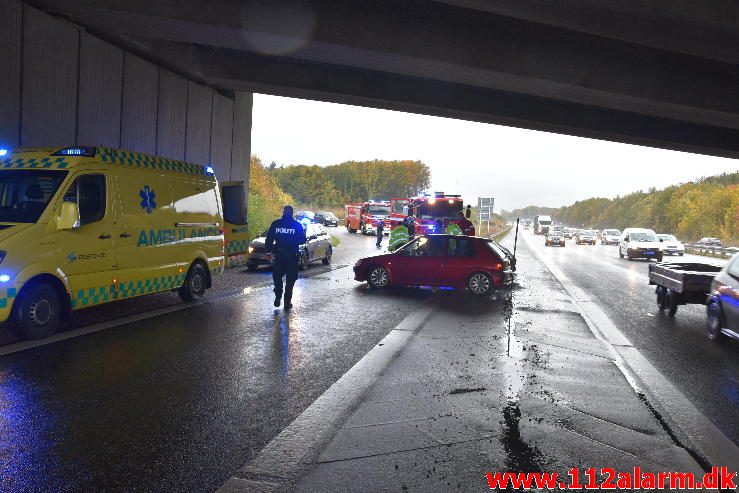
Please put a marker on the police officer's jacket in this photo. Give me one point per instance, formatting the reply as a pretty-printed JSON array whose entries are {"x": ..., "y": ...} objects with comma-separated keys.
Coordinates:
[{"x": 285, "y": 236}]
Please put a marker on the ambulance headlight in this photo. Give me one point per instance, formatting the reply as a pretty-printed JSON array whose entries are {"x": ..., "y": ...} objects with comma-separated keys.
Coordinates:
[{"x": 251, "y": 249}]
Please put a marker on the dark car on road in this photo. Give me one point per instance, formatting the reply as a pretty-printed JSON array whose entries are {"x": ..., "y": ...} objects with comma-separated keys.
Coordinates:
[
  {"x": 327, "y": 218},
  {"x": 723, "y": 302},
  {"x": 317, "y": 247},
  {"x": 459, "y": 262}
]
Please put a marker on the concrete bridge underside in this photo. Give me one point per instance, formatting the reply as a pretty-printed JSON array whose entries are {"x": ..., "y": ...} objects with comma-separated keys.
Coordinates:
[{"x": 661, "y": 73}]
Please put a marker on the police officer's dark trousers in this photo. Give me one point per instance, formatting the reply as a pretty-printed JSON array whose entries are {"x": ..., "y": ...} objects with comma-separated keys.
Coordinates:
[
  {"x": 379, "y": 236},
  {"x": 286, "y": 265}
]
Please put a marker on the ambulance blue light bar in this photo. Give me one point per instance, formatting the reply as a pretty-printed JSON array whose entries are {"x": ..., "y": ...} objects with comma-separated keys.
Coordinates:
[
  {"x": 77, "y": 152},
  {"x": 3, "y": 152},
  {"x": 209, "y": 170}
]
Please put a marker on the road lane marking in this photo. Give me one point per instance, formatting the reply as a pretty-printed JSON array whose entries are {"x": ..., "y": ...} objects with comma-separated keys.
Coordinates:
[
  {"x": 128, "y": 319},
  {"x": 287, "y": 455},
  {"x": 695, "y": 428}
]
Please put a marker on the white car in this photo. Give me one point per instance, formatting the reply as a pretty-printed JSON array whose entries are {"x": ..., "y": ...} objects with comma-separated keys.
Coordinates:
[
  {"x": 671, "y": 245},
  {"x": 610, "y": 237},
  {"x": 640, "y": 243}
]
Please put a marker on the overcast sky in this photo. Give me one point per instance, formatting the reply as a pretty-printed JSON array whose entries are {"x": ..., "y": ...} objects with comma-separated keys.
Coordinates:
[{"x": 517, "y": 167}]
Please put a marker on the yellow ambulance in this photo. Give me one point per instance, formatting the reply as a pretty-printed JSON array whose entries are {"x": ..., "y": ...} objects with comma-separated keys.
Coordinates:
[{"x": 82, "y": 226}]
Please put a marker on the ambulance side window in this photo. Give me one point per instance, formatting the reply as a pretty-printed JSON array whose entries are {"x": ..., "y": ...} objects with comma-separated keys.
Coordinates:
[{"x": 88, "y": 191}]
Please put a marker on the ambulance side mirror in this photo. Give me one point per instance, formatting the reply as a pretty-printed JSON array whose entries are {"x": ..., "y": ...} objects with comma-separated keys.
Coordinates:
[
  {"x": 69, "y": 216},
  {"x": 468, "y": 212}
]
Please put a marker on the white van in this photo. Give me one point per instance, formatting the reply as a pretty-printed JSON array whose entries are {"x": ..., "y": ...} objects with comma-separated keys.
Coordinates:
[{"x": 639, "y": 243}]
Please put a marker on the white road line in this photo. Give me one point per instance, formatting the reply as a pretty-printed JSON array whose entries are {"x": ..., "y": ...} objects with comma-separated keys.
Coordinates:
[
  {"x": 285, "y": 457},
  {"x": 91, "y": 329},
  {"x": 701, "y": 434}
]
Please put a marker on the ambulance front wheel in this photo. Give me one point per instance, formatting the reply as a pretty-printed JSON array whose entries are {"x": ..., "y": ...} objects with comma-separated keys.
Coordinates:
[
  {"x": 38, "y": 312},
  {"x": 195, "y": 285}
]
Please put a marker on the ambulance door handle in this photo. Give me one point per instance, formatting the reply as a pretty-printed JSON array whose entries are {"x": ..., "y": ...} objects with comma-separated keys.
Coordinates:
[
  {"x": 105, "y": 237},
  {"x": 125, "y": 235}
]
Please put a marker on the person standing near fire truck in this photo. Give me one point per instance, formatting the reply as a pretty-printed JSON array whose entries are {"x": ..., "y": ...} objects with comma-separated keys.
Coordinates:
[
  {"x": 380, "y": 228},
  {"x": 410, "y": 224},
  {"x": 468, "y": 229},
  {"x": 284, "y": 238}
]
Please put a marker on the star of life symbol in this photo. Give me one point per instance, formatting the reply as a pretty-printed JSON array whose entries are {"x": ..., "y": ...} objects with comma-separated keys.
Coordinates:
[{"x": 147, "y": 199}]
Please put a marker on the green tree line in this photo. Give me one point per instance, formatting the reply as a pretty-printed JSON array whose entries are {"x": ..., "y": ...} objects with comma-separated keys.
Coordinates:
[
  {"x": 705, "y": 207},
  {"x": 352, "y": 181},
  {"x": 266, "y": 198}
]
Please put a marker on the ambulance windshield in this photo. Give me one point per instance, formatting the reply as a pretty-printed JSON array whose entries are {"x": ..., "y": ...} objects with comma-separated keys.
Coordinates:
[{"x": 24, "y": 194}]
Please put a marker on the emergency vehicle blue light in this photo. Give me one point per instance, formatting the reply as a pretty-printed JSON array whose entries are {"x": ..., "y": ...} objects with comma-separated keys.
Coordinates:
[
  {"x": 76, "y": 151},
  {"x": 210, "y": 170},
  {"x": 4, "y": 278},
  {"x": 3, "y": 152}
]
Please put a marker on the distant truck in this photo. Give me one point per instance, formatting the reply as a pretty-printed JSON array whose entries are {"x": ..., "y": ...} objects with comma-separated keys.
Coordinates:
[
  {"x": 542, "y": 224},
  {"x": 364, "y": 216}
]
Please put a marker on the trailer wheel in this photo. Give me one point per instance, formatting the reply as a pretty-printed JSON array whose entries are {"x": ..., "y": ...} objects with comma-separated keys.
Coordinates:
[
  {"x": 661, "y": 302},
  {"x": 672, "y": 302}
]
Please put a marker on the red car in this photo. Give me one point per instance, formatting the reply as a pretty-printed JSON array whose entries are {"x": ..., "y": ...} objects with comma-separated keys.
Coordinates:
[{"x": 461, "y": 262}]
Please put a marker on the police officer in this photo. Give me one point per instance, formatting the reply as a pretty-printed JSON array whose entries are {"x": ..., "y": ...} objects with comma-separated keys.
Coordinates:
[
  {"x": 380, "y": 228},
  {"x": 284, "y": 238}
]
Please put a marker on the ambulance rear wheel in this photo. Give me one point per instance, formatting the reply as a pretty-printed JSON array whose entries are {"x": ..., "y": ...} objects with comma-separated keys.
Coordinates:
[
  {"x": 195, "y": 285},
  {"x": 38, "y": 312}
]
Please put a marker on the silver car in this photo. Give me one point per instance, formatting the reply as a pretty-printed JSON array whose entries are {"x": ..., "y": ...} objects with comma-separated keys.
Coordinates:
[{"x": 317, "y": 247}]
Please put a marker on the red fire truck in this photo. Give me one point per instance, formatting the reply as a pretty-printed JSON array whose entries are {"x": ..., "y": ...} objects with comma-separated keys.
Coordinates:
[
  {"x": 364, "y": 216},
  {"x": 428, "y": 210}
]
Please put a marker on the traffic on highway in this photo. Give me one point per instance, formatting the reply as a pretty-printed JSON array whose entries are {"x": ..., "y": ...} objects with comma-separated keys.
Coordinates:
[{"x": 105, "y": 363}]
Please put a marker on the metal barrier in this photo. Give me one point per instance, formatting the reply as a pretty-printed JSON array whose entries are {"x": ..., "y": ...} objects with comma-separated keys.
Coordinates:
[
  {"x": 712, "y": 251},
  {"x": 501, "y": 234}
]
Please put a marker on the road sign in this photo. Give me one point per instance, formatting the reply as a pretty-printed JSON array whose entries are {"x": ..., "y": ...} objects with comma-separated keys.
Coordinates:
[{"x": 484, "y": 211}]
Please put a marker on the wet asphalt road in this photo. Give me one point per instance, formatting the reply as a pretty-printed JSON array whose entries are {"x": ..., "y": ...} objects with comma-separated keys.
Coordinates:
[
  {"x": 179, "y": 402},
  {"x": 706, "y": 372}
]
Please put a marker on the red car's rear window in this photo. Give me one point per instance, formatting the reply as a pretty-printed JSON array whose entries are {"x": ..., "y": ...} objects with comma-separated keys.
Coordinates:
[{"x": 497, "y": 251}]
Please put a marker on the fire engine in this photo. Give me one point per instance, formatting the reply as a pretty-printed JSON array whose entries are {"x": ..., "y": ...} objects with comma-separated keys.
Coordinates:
[
  {"x": 364, "y": 216},
  {"x": 428, "y": 210}
]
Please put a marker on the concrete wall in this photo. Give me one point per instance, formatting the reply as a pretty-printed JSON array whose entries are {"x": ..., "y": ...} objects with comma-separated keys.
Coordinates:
[{"x": 62, "y": 86}]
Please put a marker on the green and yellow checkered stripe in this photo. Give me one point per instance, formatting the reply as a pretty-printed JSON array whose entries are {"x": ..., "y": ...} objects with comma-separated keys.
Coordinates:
[
  {"x": 101, "y": 294},
  {"x": 35, "y": 163},
  {"x": 237, "y": 246},
  {"x": 140, "y": 160},
  {"x": 6, "y": 297}
]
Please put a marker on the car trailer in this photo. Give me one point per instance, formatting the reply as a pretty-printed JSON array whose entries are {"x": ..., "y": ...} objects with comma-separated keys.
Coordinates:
[{"x": 680, "y": 283}]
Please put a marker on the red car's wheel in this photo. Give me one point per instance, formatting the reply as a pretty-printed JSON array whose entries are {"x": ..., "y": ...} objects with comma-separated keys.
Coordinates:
[
  {"x": 377, "y": 277},
  {"x": 480, "y": 284}
]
